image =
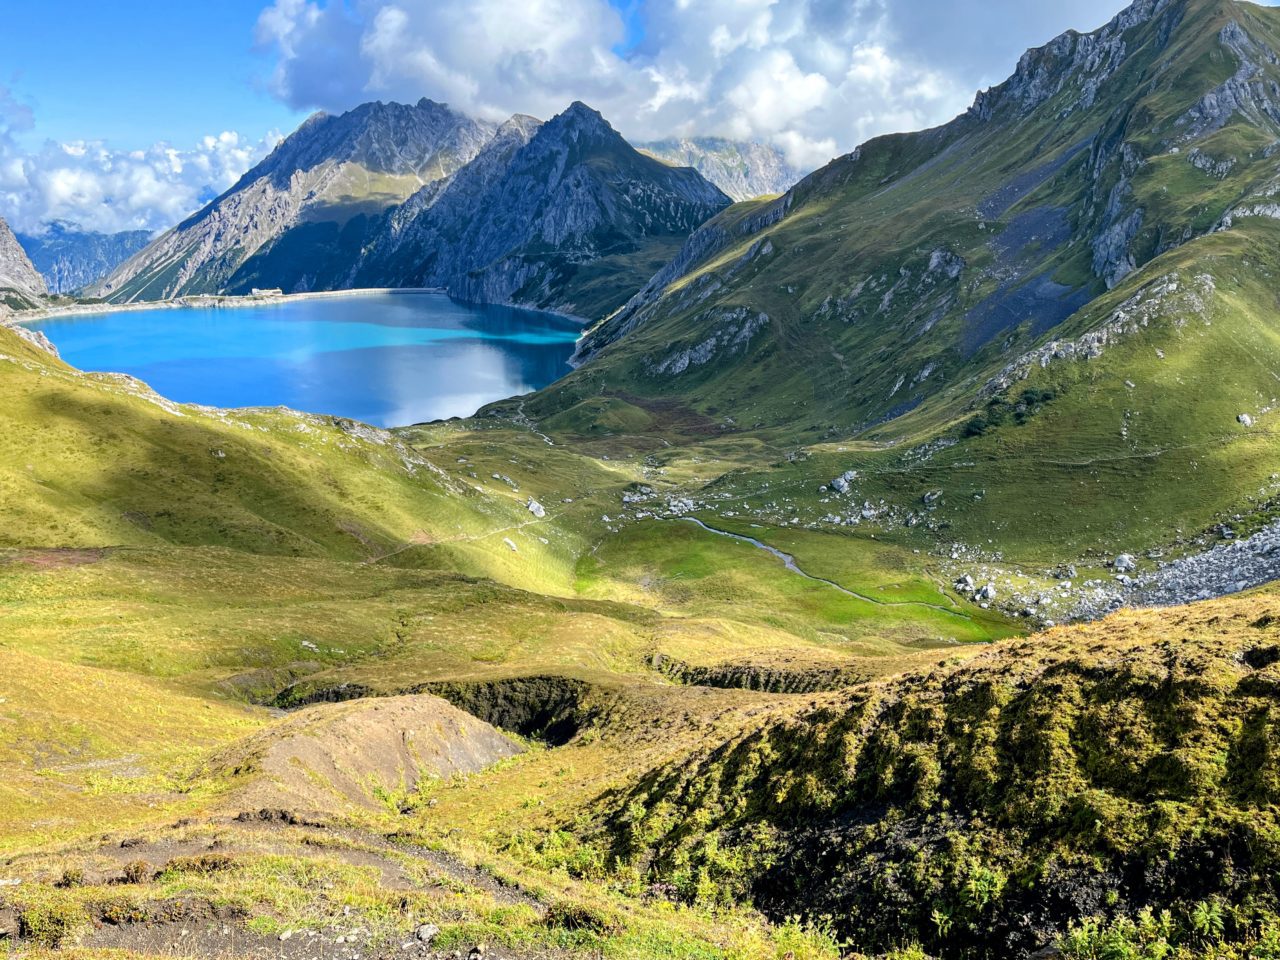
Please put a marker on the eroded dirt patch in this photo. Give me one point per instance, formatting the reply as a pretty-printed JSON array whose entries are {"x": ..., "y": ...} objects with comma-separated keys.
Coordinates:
[{"x": 360, "y": 754}]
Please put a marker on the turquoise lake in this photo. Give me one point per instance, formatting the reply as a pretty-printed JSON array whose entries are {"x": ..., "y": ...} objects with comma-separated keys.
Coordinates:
[{"x": 386, "y": 359}]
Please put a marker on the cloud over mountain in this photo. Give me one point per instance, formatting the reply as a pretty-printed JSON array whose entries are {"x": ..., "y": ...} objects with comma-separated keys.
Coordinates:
[
  {"x": 110, "y": 190},
  {"x": 814, "y": 77}
]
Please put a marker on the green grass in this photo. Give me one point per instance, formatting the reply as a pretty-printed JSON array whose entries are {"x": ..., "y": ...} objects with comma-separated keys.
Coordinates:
[
  {"x": 165, "y": 570},
  {"x": 679, "y": 567},
  {"x": 856, "y": 318}
]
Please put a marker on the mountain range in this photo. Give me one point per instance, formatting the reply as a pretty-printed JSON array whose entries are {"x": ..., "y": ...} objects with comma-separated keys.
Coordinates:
[
  {"x": 564, "y": 215},
  {"x": 744, "y": 171},
  {"x": 305, "y": 209},
  {"x": 70, "y": 258}
]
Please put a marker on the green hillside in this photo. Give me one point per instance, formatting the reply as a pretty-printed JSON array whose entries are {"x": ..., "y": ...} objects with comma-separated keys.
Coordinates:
[
  {"x": 753, "y": 615},
  {"x": 954, "y": 285}
]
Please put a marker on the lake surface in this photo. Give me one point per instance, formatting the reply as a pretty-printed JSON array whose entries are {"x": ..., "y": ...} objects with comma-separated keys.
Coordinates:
[{"x": 386, "y": 359}]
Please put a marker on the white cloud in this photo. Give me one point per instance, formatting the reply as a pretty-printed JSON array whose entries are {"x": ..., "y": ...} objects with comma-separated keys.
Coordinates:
[
  {"x": 812, "y": 76},
  {"x": 104, "y": 189}
]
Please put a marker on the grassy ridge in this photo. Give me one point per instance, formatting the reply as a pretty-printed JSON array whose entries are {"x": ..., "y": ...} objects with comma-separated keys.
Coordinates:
[{"x": 980, "y": 808}]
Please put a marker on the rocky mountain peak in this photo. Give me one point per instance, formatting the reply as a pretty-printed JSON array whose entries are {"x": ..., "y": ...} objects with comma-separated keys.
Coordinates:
[
  {"x": 519, "y": 124},
  {"x": 580, "y": 121},
  {"x": 391, "y": 138},
  {"x": 1083, "y": 60},
  {"x": 743, "y": 170},
  {"x": 580, "y": 112},
  {"x": 542, "y": 203},
  {"x": 331, "y": 170}
]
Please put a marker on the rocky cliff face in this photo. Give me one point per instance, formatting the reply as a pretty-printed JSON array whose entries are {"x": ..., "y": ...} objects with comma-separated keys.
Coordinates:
[
  {"x": 19, "y": 280},
  {"x": 563, "y": 215},
  {"x": 298, "y": 218},
  {"x": 742, "y": 170},
  {"x": 434, "y": 224},
  {"x": 70, "y": 258}
]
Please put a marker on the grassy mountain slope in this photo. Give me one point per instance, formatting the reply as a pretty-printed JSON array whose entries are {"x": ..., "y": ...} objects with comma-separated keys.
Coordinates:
[
  {"x": 169, "y": 571},
  {"x": 932, "y": 256},
  {"x": 1042, "y": 294},
  {"x": 761, "y": 716},
  {"x": 986, "y": 806},
  {"x": 117, "y": 464}
]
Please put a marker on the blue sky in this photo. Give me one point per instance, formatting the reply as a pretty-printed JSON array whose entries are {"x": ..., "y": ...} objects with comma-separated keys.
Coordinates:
[
  {"x": 134, "y": 72},
  {"x": 132, "y": 113}
]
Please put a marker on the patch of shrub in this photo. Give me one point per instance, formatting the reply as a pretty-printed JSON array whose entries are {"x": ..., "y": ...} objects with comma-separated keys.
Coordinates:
[
  {"x": 71, "y": 877},
  {"x": 203, "y": 864},
  {"x": 136, "y": 871},
  {"x": 120, "y": 911},
  {"x": 580, "y": 918},
  {"x": 1001, "y": 409},
  {"x": 51, "y": 921}
]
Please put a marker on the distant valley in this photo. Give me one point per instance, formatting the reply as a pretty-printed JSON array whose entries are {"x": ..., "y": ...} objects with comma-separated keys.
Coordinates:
[{"x": 71, "y": 259}]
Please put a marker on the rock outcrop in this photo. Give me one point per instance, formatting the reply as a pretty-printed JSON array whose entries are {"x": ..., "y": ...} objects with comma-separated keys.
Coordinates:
[{"x": 18, "y": 277}]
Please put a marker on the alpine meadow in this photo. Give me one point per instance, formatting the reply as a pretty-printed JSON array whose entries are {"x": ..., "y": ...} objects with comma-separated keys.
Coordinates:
[{"x": 879, "y": 559}]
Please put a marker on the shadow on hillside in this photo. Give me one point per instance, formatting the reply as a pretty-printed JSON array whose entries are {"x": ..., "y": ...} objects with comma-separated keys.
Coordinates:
[{"x": 184, "y": 481}]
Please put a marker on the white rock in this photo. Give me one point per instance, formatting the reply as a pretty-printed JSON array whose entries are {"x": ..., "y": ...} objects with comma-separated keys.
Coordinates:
[
  {"x": 1245, "y": 420},
  {"x": 537, "y": 509}
]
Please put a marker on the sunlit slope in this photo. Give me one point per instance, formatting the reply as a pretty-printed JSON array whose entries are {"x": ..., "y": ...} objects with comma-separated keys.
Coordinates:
[
  {"x": 1015, "y": 792},
  {"x": 1147, "y": 423},
  {"x": 1046, "y": 329}
]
